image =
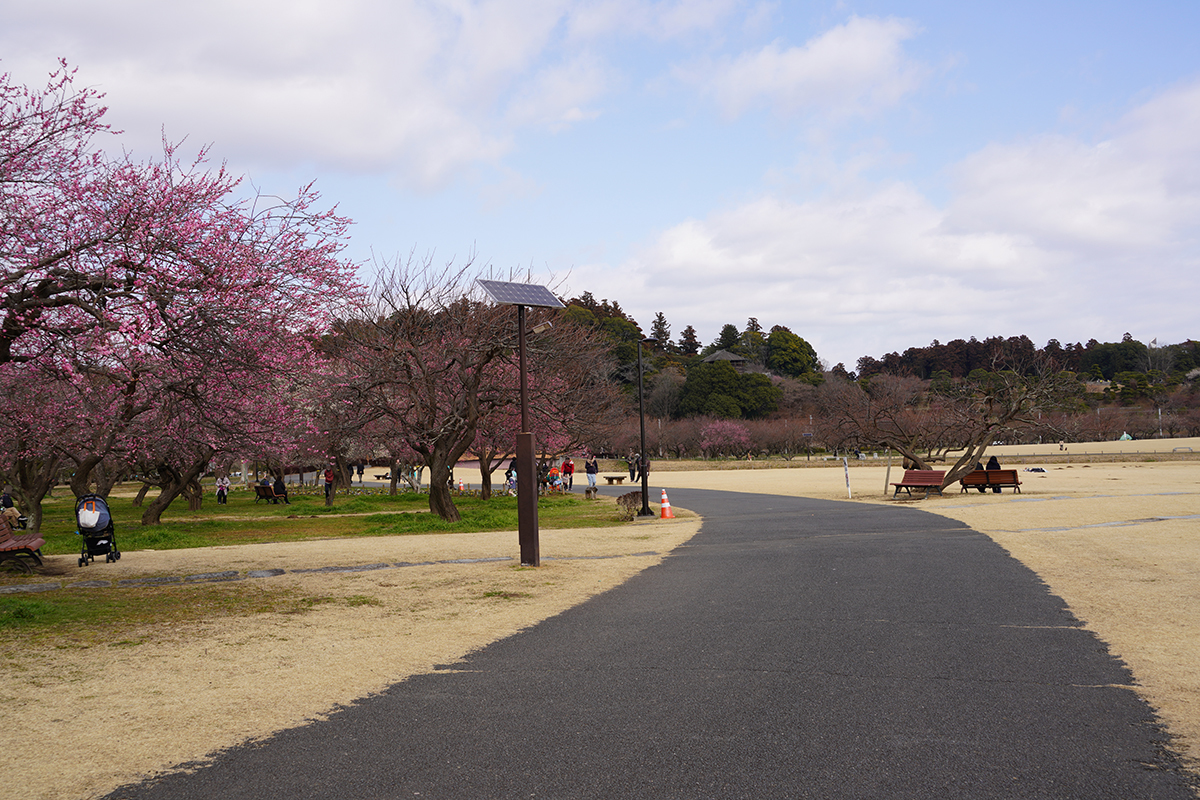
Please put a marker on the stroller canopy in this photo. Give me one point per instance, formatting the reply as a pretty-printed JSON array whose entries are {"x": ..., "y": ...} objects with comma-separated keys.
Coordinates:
[{"x": 91, "y": 512}]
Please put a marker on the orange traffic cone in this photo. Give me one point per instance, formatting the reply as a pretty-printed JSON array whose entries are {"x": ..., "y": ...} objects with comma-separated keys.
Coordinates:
[
  {"x": 460, "y": 484},
  {"x": 666, "y": 507}
]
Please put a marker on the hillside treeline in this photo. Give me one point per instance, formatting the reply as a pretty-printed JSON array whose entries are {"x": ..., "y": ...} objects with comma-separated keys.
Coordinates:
[{"x": 757, "y": 390}]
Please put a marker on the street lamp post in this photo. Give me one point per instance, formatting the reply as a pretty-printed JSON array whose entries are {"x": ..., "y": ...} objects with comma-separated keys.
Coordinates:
[
  {"x": 522, "y": 295},
  {"x": 645, "y": 512}
]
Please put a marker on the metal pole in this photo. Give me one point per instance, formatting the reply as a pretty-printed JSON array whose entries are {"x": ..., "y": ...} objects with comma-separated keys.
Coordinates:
[
  {"x": 645, "y": 512},
  {"x": 521, "y": 365},
  {"x": 527, "y": 509}
]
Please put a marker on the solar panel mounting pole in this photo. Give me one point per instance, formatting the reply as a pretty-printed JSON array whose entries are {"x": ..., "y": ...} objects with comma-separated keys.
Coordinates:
[
  {"x": 527, "y": 505},
  {"x": 522, "y": 295}
]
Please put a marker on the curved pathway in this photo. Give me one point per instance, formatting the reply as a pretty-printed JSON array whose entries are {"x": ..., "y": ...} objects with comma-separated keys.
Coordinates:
[{"x": 793, "y": 648}]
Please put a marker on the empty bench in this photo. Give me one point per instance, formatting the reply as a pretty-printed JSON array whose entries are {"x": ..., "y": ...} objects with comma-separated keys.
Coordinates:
[
  {"x": 920, "y": 479},
  {"x": 982, "y": 478},
  {"x": 614, "y": 479}
]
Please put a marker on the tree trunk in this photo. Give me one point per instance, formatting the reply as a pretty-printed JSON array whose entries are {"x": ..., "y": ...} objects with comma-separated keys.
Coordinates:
[
  {"x": 82, "y": 477},
  {"x": 341, "y": 473},
  {"x": 31, "y": 481},
  {"x": 909, "y": 454},
  {"x": 106, "y": 477},
  {"x": 974, "y": 455},
  {"x": 141, "y": 495},
  {"x": 488, "y": 461},
  {"x": 441, "y": 502},
  {"x": 194, "y": 493},
  {"x": 169, "y": 489},
  {"x": 173, "y": 484}
]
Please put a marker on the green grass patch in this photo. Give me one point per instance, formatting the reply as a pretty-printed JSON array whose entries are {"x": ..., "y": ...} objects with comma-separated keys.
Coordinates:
[
  {"x": 498, "y": 514},
  {"x": 90, "y": 616},
  {"x": 360, "y": 513},
  {"x": 507, "y": 595}
]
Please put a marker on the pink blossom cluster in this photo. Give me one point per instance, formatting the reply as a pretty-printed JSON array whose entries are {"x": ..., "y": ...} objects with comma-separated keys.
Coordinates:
[{"x": 151, "y": 317}]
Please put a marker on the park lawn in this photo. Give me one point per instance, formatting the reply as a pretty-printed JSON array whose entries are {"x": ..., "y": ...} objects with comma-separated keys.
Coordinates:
[
  {"x": 358, "y": 513},
  {"x": 117, "y": 617},
  {"x": 77, "y": 617}
]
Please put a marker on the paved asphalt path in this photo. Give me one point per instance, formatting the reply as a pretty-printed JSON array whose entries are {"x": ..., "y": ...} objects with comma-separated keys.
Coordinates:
[{"x": 793, "y": 649}]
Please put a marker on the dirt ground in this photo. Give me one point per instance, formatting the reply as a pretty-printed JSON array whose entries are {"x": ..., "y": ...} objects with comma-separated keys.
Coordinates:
[{"x": 1119, "y": 542}]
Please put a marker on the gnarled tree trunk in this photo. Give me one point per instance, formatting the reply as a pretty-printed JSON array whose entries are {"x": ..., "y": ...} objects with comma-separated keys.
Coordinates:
[{"x": 173, "y": 482}]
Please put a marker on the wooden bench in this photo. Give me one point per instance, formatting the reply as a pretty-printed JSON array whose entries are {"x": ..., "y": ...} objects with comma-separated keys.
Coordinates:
[
  {"x": 980, "y": 478},
  {"x": 13, "y": 547},
  {"x": 386, "y": 477},
  {"x": 614, "y": 479},
  {"x": 267, "y": 493},
  {"x": 920, "y": 479}
]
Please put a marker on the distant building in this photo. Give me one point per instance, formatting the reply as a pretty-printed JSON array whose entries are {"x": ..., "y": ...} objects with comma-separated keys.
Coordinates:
[{"x": 737, "y": 361}]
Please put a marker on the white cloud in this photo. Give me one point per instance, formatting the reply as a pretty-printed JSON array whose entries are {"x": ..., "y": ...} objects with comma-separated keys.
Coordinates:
[
  {"x": 659, "y": 20},
  {"x": 854, "y": 68},
  {"x": 418, "y": 88},
  {"x": 1051, "y": 238},
  {"x": 558, "y": 95}
]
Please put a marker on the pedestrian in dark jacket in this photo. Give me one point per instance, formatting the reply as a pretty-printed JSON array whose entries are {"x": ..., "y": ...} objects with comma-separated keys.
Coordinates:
[{"x": 994, "y": 463}]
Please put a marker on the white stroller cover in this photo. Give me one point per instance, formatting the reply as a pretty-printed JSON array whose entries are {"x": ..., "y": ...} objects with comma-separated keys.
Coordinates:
[{"x": 93, "y": 515}]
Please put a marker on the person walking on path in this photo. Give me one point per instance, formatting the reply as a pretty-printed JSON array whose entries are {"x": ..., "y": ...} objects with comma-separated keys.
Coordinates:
[
  {"x": 223, "y": 490},
  {"x": 632, "y": 460},
  {"x": 643, "y": 467},
  {"x": 591, "y": 468},
  {"x": 994, "y": 463}
]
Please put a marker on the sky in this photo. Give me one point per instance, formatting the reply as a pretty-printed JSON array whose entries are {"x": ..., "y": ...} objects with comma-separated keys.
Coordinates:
[{"x": 873, "y": 175}]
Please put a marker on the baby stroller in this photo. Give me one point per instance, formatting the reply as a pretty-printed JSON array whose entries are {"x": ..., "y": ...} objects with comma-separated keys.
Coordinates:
[{"x": 96, "y": 528}]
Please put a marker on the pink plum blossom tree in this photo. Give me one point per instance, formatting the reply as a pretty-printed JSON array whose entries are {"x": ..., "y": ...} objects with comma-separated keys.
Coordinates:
[{"x": 148, "y": 292}]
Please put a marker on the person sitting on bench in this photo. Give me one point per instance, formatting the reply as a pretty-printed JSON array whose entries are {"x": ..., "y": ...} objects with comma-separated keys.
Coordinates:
[
  {"x": 993, "y": 463},
  {"x": 280, "y": 490}
]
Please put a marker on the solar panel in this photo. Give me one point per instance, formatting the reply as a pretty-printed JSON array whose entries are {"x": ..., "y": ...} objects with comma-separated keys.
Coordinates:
[{"x": 520, "y": 294}]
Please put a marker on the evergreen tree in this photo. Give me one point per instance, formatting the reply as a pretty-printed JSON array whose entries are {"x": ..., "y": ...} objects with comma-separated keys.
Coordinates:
[
  {"x": 788, "y": 354},
  {"x": 689, "y": 343},
  {"x": 728, "y": 338},
  {"x": 660, "y": 329}
]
